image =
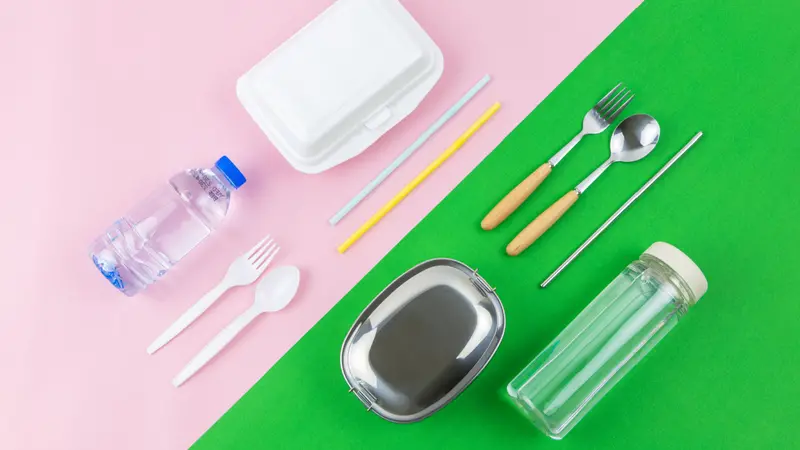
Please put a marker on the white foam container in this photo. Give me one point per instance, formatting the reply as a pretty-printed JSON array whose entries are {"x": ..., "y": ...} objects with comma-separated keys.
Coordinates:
[{"x": 336, "y": 86}]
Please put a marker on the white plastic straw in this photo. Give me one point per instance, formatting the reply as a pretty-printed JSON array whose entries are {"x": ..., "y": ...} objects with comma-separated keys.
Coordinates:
[{"x": 409, "y": 151}]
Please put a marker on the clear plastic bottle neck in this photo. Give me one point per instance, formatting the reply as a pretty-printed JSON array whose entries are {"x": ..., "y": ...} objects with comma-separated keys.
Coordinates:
[{"x": 222, "y": 178}]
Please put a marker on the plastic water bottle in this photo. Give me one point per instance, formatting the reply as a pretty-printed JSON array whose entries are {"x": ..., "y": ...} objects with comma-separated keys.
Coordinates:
[{"x": 141, "y": 247}]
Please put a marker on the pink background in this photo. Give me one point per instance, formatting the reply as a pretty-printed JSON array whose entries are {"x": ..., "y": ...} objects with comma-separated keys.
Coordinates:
[{"x": 100, "y": 101}]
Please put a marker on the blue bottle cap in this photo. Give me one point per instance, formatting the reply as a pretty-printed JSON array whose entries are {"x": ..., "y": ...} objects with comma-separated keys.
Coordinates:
[{"x": 231, "y": 172}]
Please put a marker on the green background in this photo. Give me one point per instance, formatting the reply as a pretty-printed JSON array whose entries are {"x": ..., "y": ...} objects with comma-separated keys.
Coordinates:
[{"x": 726, "y": 377}]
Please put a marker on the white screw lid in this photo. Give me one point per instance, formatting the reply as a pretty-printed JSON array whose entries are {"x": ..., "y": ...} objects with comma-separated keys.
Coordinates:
[{"x": 682, "y": 265}]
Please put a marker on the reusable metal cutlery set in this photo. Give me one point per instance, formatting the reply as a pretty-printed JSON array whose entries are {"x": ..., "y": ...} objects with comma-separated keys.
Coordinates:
[
  {"x": 633, "y": 139},
  {"x": 596, "y": 121}
]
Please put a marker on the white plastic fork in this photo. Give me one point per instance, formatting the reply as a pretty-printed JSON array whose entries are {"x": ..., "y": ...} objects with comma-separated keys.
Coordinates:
[{"x": 243, "y": 271}]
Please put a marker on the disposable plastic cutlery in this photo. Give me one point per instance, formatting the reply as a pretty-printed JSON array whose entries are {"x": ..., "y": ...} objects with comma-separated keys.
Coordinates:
[
  {"x": 603, "y": 114},
  {"x": 273, "y": 293},
  {"x": 243, "y": 271}
]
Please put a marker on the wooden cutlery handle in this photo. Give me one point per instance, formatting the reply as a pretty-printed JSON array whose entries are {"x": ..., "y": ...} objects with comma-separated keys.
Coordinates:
[
  {"x": 536, "y": 229},
  {"x": 516, "y": 197}
]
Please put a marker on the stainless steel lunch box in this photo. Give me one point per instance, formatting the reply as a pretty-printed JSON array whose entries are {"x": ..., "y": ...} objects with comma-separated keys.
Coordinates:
[{"x": 422, "y": 340}]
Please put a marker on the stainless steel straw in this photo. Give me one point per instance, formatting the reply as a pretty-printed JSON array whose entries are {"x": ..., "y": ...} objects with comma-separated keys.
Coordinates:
[{"x": 622, "y": 209}]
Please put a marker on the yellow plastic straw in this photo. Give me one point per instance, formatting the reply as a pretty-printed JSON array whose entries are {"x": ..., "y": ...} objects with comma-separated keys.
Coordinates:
[{"x": 419, "y": 178}]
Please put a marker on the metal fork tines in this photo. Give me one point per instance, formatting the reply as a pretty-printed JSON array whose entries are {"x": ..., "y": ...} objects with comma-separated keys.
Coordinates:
[
  {"x": 603, "y": 114},
  {"x": 612, "y": 105}
]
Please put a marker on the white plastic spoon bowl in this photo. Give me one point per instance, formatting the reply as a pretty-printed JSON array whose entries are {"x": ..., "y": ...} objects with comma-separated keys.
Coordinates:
[{"x": 273, "y": 293}]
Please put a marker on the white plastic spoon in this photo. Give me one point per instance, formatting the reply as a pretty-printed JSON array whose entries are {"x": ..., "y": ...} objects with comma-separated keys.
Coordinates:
[{"x": 273, "y": 293}]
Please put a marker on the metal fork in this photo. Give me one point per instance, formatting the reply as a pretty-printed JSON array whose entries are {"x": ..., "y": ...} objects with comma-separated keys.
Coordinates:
[
  {"x": 603, "y": 114},
  {"x": 243, "y": 271}
]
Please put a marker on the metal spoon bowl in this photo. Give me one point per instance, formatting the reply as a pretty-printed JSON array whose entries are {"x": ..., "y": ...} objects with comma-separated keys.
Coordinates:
[{"x": 633, "y": 139}]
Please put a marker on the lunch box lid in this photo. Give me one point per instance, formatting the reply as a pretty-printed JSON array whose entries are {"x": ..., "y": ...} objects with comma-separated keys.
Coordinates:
[
  {"x": 422, "y": 340},
  {"x": 342, "y": 81}
]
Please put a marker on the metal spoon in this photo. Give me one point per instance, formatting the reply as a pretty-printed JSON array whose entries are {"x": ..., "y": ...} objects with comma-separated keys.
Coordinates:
[
  {"x": 273, "y": 293},
  {"x": 633, "y": 139}
]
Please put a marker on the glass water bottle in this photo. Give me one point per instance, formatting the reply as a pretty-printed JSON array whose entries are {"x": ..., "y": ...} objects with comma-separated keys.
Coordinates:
[{"x": 613, "y": 333}]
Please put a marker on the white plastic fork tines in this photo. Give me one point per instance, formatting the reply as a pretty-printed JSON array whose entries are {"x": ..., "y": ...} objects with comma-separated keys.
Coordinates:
[{"x": 243, "y": 271}]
